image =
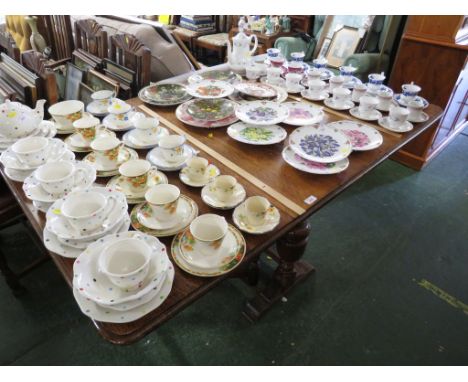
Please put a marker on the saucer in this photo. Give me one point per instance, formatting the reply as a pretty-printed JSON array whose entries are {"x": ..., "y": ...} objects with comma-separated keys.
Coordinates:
[
  {"x": 41, "y": 206},
  {"x": 130, "y": 141},
  {"x": 155, "y": 157},
  {"x": 110, "y": 122},
  {"x": 213, "y": 172},
  {"x": 209, "y": 197},
  {"x": 280, "y": 82},
  {"x": 188, "y": 211},
  {"x": 345, "y": 106},
  {"x": 402, "y": 102},
  {"x": 147, "y": 218},
  {"x": 326, "y": 74},
  {"x": 97, "y": 109},
  {"x": 383, "y": 88},
  {"x": 229, "y": 262},
  {"x": 373, "y": 116},
  {"x": 281, "y": 95},
  {"x": 353, "y": 81},
  {"x": 423, "y": 118},
  {"x": 295, "y": 90},
  {"x": 299, "y": 163},
  {"x": 272, "y": 219},
  {"x": 403, "y": 128},
  {"x": 362, "y": 137},
  {"x": 323, "y": 95},
  {"x": 102, "y": 172},
  {"x": 154, "y": 177},
  {"x": 34, "y": 191},
  {"x": 78, "y": 144},
  {"x": 387, "y": 109},
  {"x": 257, "y": 135}
]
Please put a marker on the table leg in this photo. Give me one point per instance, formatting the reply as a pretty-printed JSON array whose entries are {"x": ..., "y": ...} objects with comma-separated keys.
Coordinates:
[{"x": 290, "y": 271}]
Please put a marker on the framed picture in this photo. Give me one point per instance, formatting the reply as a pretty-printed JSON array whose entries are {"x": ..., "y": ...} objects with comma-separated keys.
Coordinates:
[
  {"x": 324, "y": 48},
  {"x": 72, "y": 81},
  {"x": 85, "y": 94},
  {"x": 119, "y": 70},
  {"x": 342, "y": 45},
  {"x": 98, "y": 81}
]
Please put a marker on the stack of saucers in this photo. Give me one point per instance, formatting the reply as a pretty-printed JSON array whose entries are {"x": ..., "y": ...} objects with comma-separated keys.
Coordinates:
[
  {"x": 318, "y": 150},
  {"x": 146, "y": 133},
  {"x": 27, "y": 154},
  {"x": 82, "y": 217},
  {"x": 207, "y": 113},
  {"x": 209, "y": 247},
  {"x": 171, "y": 154},
  {"x": 54, "y": 180},
  {"x": 164, "y": 94},
  {"x": 122, "y": 277},
  {"x": 253, "y": 91}
]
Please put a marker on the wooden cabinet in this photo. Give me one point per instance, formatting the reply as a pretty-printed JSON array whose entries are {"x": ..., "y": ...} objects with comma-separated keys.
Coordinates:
[{"x": 430, "y": 56}]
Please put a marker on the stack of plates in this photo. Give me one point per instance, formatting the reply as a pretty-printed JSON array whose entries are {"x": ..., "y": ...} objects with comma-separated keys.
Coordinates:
[
  {"x": 164, "y": 94},
  {"x": 18, "y": 171},
  {"x": 207, "y": 113},
  {"x": 254, "y": 91},
  {"x": 210, "y": 89},
  {"x": 190, "y": 258},
  {"x": 44, "y": 129},
  {"x": 362, "y": 137},
  {"x": 100, "y": 299},
  {"x": 63, "y": 239},
  {"x": 219, "y": 75},
  {"x": 322, "y": 150}
]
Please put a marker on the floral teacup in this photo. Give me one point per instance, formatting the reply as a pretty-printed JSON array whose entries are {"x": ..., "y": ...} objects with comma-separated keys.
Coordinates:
[
  {"x": 256, "y": 208},
  {"x": 87, "y": 127},
  {"x": 135, "y": 174},
  {"x": 163, "y": 200},
  {"x": 107, "y": 150},
  {"x": 172, "y": 147},
  {"x": 207, "y": 233},
  {"x": 224, "y": 186}
]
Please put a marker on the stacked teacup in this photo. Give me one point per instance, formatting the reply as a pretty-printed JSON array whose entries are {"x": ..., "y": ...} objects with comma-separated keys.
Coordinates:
[
  {"x": 146, "y": 134},
  {"x": 82, "y": 217},
  {"x": 171, "y": 154},
  {"x": 119, "y": 117},
  {"x": 122, "y": 277},
  {"x": 397, "y": 120}
]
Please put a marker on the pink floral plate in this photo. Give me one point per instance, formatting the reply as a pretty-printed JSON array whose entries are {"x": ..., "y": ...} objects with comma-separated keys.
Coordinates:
[
  {"x": 362, "y": 137},
  {"x": 311, "y": 167},
  {"x": 183, "y": 116},
  {"x": 301, "y": 113}
]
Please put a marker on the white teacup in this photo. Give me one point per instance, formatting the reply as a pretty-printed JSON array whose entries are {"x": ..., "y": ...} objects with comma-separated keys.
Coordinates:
[
  {"x": 385, "y": 100},
  {"x": 87, "y": 127},
  {"x": 163, "y": 200},
  {"x": 32, "y": 151},
  {"x": 252, "y": 72},
  {"x": 67, "y": 112},
  {"x": 375, "y": 81},
  {"x": 256, "y": 208},
  {"x": 410, "y": 91},
  {"x": 224, "y": 186},
  {"x": 314, "y": 74},
  {"x": 197, "y": 168},
  {"x": 126, "y": 262},
  {"x": 172, "y": 147},
  {"x": 209, "y": 231},
  {"x": 340, "y": 96},
  {"x": 274, "y": 74},
  {"x": 415, "y": 108},
  {"x": 58, "y": 178},
  {"x": 359, "y": 90},
  {"x": 121, "y": 111},
  {"x": 398, "y": 115},
  {"x": 88, "y": 210},
  {"x": 293, "y": 81},
  {"x": 347, "y": 72},
  {"x": 107, "y": 150},
  {"x": 367, "y": 105},
  {"x": 103, "y": 97},
  {"x": 135, "y": 174},
  {"x": 336, "y": 82},
  {"x": 146, "y": 129},
  {"x": 315, "y": 87},
  {"x": 261, "y": 67},
  {"x": 320, "y": 63}
]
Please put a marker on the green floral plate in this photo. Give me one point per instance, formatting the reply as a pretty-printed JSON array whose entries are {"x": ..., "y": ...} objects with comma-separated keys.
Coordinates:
[
  {"x": 210, "y": 109},
  {"x": 257, "y": 135},
  {"x": 164, "y": 94}
]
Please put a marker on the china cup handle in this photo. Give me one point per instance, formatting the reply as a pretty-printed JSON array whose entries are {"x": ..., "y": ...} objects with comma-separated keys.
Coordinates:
[
  {"x": 111, "y": 203},
  {"x": 255, "y": 40},
  {"x": 79, "y": 176}
]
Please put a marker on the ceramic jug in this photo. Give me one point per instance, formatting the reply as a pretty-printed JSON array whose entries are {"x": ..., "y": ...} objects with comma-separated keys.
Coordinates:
[
  {"x": 18, "y": 120},
  {"x": 240, "y": 52}
]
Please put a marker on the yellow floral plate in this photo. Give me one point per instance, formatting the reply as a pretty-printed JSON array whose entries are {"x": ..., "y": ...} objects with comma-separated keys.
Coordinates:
[
  {"x": 257, "y": 135},
  {"x": 125, "y": 155},
  {"x": 181, "y": 242},
  {"x": 187, "y": 207}
]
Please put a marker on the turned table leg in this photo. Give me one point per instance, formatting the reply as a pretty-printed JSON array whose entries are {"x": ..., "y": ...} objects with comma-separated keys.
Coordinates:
[{"x": 290, "y": 271}]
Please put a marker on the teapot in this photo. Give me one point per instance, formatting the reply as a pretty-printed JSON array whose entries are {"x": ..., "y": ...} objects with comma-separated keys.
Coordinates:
[
  {"x": 240, "y": 52},
  {"x": 18, "y": 120}
]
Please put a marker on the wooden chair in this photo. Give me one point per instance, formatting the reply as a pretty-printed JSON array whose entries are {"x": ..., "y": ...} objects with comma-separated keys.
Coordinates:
[
  {"x": 90, "y": 37},
  {"x": 59, "y": 35},
  {"x": 128, "y": 51},
  {"x": 8, "y": 45}
]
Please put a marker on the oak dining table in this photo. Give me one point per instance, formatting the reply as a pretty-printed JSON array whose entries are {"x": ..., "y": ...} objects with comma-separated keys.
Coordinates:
[{"x": 262, "y": 171}]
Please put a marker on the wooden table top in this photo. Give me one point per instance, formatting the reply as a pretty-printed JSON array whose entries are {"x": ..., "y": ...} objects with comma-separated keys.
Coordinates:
[{"x": 271, "y": 175}]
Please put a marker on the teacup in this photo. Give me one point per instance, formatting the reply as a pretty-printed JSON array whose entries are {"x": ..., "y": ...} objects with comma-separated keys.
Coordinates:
[
  {"x": 126, "y": 262},
  {"x": 209, "y": 231},
  {"x": 315, "y": 87},
  {"x": 367, "y": 105},
  {"x": 347, "y": 72},
  {"x": 146, "y": 129},
  {"x": 340, "y": 96},
  {"x": 121, "y": 111},
  {"x": 314, "y": 74},
  {"x": 87, "y": 127},
  {"x": 197, "y": 169},
  {"x": 172, "y": 147},
  {"x": 273, "y": 52},
  {"x": 88, "y": 210},
  {"x": 163, "y": 200},
  {"x": 103, "y": 97},
  {"x": 107, "y": 150},
  {"x": 277, "y": 62},
  {"x": 261, "y": 67},
  {"x": 252, "y": 72},
  {"x": 375, "y": 81},
  {"x": 58, "y": 178},
  {"x": 256, "y": 208},
  {"x": 67, "y": 112},
  {"x": 359, "y": 90},
  {"x": 32, "y": 151},
  {"x": 336, "y": 82},
  {"x": 274, "y": 75},
  {"x": 398, "y": 115},
  {"x": 224, "y": 186},
  {"x": 385, "y": 100},
  {"x": 320, "y": 63},
  {"x": 293, "y": 81},
  {"x": 135, "y": 174},
  {"x": 415, "y": 108},
  {"x": 410, "y": 91},
  {"x": 297, "y": 56}
]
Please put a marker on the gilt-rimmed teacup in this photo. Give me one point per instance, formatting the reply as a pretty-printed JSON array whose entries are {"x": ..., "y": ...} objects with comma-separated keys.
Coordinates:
[
  {"x": 103, "y": 97},
  {"x": 410, "y": 91},
  {"x": 32, "y": 151},
  {"x": 172, "y": 147},
  {"x": 359, "y": 90},
  {"x": 398, "y": 115},
  {"x": 375, "y": 81},
  {"x": 135, "y": 174},
  {"x": 107, "y": 150},
  {"x": 146, "y": 129},
  {"x": 163, "y": 200},
  {"x": 385, "y": 99},
  {"x": 293, "y": 81},
  {"x": 347, "y": 71},
  {"x": 256, "y": 208},
  {"x": 415, "y": 108},
  {"x": 67, "y": 112},
  {"x": 367, "y": 105},
  {"x": 336, "y": 82},
  {"x": 126, "y": 262},
  {"x": 316, "y": 86},
  {"x": 87, "y": 127},
  {"x": 58, "y": 178},
  {"x": 340, "y": 96},
  {"x": 197, "y": 169},
  {"x": 313, "y": 74},
  {"x": 224, "y": 186},
  {"x": 121, "y": 112},
  {"x": 208, "y": 231}
]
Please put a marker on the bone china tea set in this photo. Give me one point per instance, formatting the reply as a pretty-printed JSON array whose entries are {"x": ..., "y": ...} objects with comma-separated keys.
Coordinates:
[{"x": 121, "y": 275}]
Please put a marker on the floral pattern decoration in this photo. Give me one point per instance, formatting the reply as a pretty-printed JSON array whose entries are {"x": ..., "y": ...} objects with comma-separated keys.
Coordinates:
[
  {"x": 256, "y": 134},
  {"x": 88, "y": 133},
  {"x": 209, "y": 90},
  {"x": 262, "y": 114},
  {"x": 74, "y": 116},
  {"x": 112, "y": 154},
  {"x": 312, "y": 164},
  {"x": 210, "y": 109},
  {"x": 138, "y": 182},
  {"x": 357, "y": 138},
  {"x": 299, "y": 113},
  {"x": 319, "y": 145},
  {"x": 168, "y": 92}
]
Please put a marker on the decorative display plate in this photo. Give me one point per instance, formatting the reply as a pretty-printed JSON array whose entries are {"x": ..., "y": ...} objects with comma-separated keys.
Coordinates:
[
  {"x": 281, "y": 96},
  {"x": 208, "y": 195},
  {"x": 111, "y": 121},
  {"x": 78, "y": 144},
  {"x": 187, "y": 208},
  {"x": 323, "y": 95},
  {"x": 230, "y": 262},
  {"x": 219, "y": 75},
  {"x": 210, "y": 89},
  {"x": 301, "y": 113},
  {"x": 311, "y": 167},
  {"x": 362, "y": 137},
  {"x": 155, "y": 157},
  {"x": 213, "y": 172},
  {"x": 256, "y": 90},
  {"x": 387, "y": 124},
  {"x": 323, "y": 144},
  {"x": 130, "y": 141},
  {"x": 183, "y": 116},
  {"x": 164, "y": 94},
  {"x": 210, "y": 109},
  {"x": 154, "y": 177},
  {"x": 402, "y": 102},
  {"x": 262, "y": 112},
  {"x": 272, "y": 219},
  {"x": 343, "y": 106},
  {"x": 102, "y": 172},
  {"x": 372, "y": 116},
  {"x": 257, "y": 135}
]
